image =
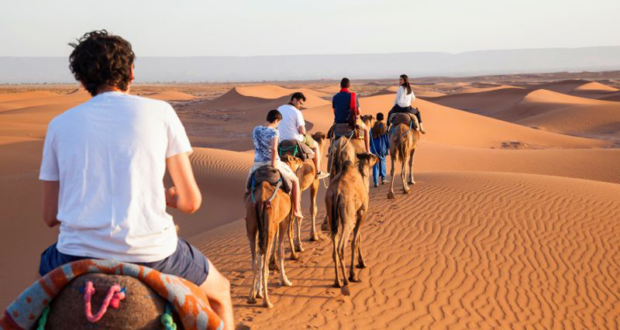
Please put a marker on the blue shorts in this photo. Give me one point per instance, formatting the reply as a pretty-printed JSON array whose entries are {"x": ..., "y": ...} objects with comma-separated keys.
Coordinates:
[{"x": 186, "y": 262}]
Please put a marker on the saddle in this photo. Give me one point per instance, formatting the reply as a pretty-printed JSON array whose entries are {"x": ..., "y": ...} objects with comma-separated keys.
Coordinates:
[
  {"x": 344, "y": 129},
  {"x": 404, "y": 118},
  {"x": 271, "y": 175},
  {"x": 296, "y": 149}
]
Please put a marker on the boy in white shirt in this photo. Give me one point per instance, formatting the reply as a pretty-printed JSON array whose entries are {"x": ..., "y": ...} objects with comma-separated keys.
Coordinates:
[{"x": 102, "y": 171}]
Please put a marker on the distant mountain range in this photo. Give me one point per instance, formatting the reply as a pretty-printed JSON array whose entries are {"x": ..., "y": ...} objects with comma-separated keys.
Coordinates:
[{"x": 313, "y": 67}]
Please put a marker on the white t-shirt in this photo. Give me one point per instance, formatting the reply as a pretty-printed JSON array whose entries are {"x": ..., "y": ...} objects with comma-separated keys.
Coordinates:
[
  {"x": 109, "y": 155},
  {"x": 402, "y": 99},
  {"x": 291, "y": 120}
]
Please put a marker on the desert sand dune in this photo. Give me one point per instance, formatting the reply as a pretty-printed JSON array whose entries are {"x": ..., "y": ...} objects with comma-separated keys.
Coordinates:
[
  {"x": 489, "y": 103},
  {"x": 171, "y": 96},
  {"x": 507, "y": 226},
  {"x": 612, "y": 97},
  {"x": 221, "y": 177},
  {"x": 227, "y": 121},
  {"x": 543, "y": 109},
  {"x": 562, "y": 86},
  {"x": 455, "y": 127},
  {"x": 428, "y": 94},
  {"x": 42, "y": 100},
  {"x": 330, "y": 90},
  {"x": 10, "y": 97},
  {"x": 581, "y": 88},
  {"x": 275, "y": 92},
  {"x": 243, "y": 98},
  {"x": 589, "y": 164},
  {"x": 463, "y": 250},
  {"x": 485, "y": 88}
]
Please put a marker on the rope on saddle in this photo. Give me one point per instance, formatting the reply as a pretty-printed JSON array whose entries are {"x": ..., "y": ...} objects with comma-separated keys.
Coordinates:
[
  {"x": 113, "y": 298},
  {"x": 43, "y": 318},
  {"x": 167, "y": 320}
]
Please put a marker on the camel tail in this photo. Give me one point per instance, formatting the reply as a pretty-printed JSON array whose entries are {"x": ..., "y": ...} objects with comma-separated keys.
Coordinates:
[
  {"x": 261, "y": 216},
  {"x": 399, "y": 148},
  {"x": 335, "y": 214}
]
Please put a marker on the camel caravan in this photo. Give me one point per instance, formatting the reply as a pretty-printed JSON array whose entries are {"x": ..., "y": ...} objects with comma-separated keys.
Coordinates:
[
  {"x": 287, "y": 162},
  {"x": 118, "y": 261}
]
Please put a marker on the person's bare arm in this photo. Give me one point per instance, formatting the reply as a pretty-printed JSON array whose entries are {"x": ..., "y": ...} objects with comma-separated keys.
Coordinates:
[
  {"x": 51, "y": 190},
  {"x": 302, "y": 130},
  {"x": 274, "y": 150},
  {"x": 185, "y": 195}
]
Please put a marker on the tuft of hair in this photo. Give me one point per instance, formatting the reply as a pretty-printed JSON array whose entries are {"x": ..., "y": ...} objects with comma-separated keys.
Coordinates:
[
  {"x": 273, "y": 115},
  {"x": 102, "y": 59},
  {"x": 345, "y": 83},
  {"x": 380, "y": 116},
  {"x": 298, "y": 96}
]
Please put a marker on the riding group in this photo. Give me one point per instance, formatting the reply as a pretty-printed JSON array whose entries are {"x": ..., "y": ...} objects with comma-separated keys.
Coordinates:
[
  {"x": 287, "y": 161},
  {"x": 102, "y": 170}
]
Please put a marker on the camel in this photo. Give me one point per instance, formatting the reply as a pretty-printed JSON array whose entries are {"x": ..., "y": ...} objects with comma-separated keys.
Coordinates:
[
  {"x": 368, "y": 120},
  {"x": 338, "y": 151},
  {"x": 268, "y": 216},
  {"x": 308, "y": 180},
  {"x": 403, "y": 143},
  {"x": 347, "y": 204}
]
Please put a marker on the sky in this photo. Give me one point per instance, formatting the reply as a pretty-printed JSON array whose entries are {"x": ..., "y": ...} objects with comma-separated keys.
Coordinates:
[{"x": 293, "y": 27}]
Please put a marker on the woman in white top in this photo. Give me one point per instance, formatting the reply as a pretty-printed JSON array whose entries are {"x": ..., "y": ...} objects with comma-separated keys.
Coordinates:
[{"x": 402, "y": 103}]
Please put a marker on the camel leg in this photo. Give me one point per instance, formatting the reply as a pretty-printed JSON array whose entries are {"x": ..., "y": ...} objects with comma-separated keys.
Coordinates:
[
  {"x": 335, "y": 239},
  {"x": 391, "y": 193},
  {"x": 291, "y": 237},
  {"x": 314, "y": 191},
  {"x": 353, "y": 277},
  {"x": 346, "y": 232},
  {"x": 360, "y": 262},
  {"x": 299, "y": 247},
  {"x": 273, "y": 263},
  {"x": 403, "y": 175},
  {"x": 252, "y": 237},
  {"x": 259, "y": 281},
  {"x": 411, "y": 180},
  {"x": 280, "y": 252},
  {"x": 265, "y": 258}
]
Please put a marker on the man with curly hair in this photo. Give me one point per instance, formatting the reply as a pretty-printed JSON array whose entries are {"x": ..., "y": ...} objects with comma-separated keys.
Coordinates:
[{"x": 102, "y": 170}]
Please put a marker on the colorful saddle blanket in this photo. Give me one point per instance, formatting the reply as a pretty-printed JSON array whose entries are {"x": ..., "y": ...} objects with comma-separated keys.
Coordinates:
[{"x": 189, "y": 301}]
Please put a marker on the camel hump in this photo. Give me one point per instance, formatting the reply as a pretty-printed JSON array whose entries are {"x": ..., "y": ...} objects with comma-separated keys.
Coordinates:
[{"x": 141, "y": 308}]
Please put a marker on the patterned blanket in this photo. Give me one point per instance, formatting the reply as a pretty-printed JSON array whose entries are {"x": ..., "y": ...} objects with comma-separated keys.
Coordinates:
[{"x": 189, "y": 301}]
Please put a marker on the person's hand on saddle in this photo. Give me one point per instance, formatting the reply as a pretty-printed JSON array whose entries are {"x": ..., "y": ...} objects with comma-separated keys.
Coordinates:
[{"x": 172, "y": 197}]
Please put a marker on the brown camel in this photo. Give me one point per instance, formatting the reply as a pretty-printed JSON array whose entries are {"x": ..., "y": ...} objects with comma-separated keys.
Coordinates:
[
  {"x": 308, "y": 180},
  {"x": 403, "y": 142},
  {"x": 268, "y": 217},
  {"x": 347, "y": 204}
]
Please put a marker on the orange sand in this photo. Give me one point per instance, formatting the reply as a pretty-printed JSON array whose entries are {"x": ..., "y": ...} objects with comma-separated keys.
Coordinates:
[{"x": 507, "y": 227}]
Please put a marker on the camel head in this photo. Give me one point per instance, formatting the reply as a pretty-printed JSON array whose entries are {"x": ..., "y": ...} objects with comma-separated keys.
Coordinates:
[
  {"x": 368, "y": 120},
  {"x": 321, "y": 139},
  {"x": 293, "y": 162},
  {"x": 366, "y": 162}
]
